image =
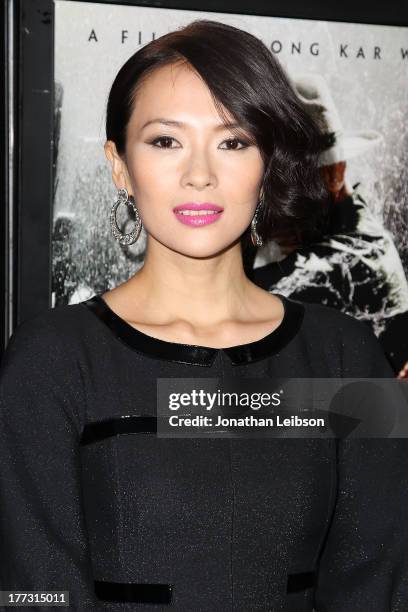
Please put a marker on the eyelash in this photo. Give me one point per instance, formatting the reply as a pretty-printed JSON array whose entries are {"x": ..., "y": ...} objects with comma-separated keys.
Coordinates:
[{"x": 242, "y": 142}]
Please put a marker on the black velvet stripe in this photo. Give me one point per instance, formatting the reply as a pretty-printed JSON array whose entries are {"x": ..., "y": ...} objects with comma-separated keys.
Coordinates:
[
  {"x": 154, "y": 347},
  {"x": 273, "y": 342},
  {"x": 132, "y": 592},
  {"x": 191, "y": 354},
  {"x": 301, "y": 581},
  {"x": 93, "y": 432}
]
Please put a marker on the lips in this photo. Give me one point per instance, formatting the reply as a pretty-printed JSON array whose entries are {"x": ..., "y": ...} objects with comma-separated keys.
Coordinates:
[
  {"x": 194, "y": 214},
  {"x": 189, "y": 206}
]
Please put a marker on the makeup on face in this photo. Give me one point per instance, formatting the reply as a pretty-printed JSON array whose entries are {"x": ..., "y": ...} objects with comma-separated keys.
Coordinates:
[
  {"x": 196, "y": 215},
  {"x": 189, "y": 163}
]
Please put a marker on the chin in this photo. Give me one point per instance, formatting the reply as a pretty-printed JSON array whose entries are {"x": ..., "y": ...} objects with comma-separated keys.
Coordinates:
[{"x": 201, "y": 251}]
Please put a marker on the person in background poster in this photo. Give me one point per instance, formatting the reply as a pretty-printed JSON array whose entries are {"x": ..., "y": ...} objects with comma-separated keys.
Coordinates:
[
  {"x": 403, "y": 373},
  {"x": 355, "y": 267},
  {"x": 211, "y": 148}
]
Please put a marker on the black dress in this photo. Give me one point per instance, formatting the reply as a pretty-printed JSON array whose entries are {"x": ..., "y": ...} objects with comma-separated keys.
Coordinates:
[{"x": 191, "y": 524}]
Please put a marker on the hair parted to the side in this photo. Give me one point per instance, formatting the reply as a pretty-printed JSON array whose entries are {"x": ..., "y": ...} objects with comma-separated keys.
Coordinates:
[{"x": 245, "y": 78}]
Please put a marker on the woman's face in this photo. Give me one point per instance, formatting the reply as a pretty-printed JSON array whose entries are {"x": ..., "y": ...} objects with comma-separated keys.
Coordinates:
[{"x": 179, "y": 153}]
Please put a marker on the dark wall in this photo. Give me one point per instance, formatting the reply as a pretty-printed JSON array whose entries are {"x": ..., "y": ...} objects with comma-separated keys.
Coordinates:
[{"x": 3, "y": 166}]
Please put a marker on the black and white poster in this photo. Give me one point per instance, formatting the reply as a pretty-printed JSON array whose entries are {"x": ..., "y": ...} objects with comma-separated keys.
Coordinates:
[{"x": 361, "y": 73}]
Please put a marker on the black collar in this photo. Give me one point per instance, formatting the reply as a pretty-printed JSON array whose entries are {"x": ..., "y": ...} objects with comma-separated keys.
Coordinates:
[{"x": 196, "y": 354}]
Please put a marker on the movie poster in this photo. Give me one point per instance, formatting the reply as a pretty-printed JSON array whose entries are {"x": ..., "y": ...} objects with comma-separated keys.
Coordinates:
[{"x": 364, "y": 69}]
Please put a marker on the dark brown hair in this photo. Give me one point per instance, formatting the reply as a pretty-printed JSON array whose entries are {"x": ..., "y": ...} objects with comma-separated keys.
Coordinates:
[{"x": 245, "y": 78}]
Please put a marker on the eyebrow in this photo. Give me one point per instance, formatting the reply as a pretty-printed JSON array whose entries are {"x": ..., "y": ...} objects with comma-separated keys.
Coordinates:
[{"x": 180, "y": 124}]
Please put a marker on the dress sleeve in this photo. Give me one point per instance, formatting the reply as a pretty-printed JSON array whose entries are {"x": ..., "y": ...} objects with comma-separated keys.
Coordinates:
[
  {"x": 364, "y": 561},
  {"x": 42, "y": 527}
]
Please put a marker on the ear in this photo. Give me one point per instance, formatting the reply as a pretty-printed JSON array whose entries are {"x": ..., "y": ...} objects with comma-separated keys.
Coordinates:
[{"x": 120, "y": 175}]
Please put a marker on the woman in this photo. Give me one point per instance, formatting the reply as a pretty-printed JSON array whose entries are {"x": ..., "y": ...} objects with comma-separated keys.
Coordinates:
[{"x": 92, "y": 501}]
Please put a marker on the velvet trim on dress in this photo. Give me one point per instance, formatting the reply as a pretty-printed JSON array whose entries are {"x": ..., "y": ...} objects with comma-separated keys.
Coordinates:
[{"x": 201, "y": 355}]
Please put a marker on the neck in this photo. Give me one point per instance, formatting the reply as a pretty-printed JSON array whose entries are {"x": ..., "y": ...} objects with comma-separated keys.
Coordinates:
[{"x": 200, "y": 290}]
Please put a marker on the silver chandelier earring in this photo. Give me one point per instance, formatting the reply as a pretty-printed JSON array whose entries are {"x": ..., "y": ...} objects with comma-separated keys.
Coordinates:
[
  {"x": 255, "y": 237},
  {"x": 131, "y": 237}
]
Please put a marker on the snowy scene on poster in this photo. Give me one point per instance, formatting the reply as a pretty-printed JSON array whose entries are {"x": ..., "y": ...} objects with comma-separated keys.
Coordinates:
[{"x": 365, "y": 68}]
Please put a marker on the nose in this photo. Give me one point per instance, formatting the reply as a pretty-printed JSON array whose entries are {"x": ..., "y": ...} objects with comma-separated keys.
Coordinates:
[{"x": 199, "y": 171}]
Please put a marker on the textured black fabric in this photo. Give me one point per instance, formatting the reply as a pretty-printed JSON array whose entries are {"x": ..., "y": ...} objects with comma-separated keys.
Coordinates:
[
  {"x": 135, "y": 593},
  {"x": 228, "y": 524}
]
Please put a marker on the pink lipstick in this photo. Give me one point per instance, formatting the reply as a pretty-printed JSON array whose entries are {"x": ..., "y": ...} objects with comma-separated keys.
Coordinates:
[{"x": 195, "y": 215}]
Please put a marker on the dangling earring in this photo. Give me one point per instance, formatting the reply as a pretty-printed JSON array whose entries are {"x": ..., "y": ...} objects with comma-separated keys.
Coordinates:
[
  {"x": 255, "y": 237},
  {"x": 131, "y": 237}
]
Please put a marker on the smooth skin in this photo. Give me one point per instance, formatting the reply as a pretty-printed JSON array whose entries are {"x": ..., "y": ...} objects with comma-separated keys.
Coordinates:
[{"x": 192, "y": 287}]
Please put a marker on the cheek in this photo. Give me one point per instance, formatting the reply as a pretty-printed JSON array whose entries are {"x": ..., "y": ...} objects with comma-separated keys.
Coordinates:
[
  {"x": 245, "y": 176},
  {"x": 151, "y": 175},
  {"x": 238, "y": 176}
]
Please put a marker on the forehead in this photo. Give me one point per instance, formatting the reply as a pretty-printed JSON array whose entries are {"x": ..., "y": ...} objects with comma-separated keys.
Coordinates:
[{"x": 174, "y": 91}]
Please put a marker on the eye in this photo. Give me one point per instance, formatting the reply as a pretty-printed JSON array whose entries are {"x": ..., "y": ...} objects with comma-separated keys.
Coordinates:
[
  {"x": 234, "y": 144},
  {"x": 166, "y": 140}
]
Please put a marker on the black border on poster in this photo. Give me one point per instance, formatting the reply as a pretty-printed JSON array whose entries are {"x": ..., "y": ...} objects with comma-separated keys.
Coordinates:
[
  {"x": 3, "y": 169},
  {"x": 33, "y": 154}
]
